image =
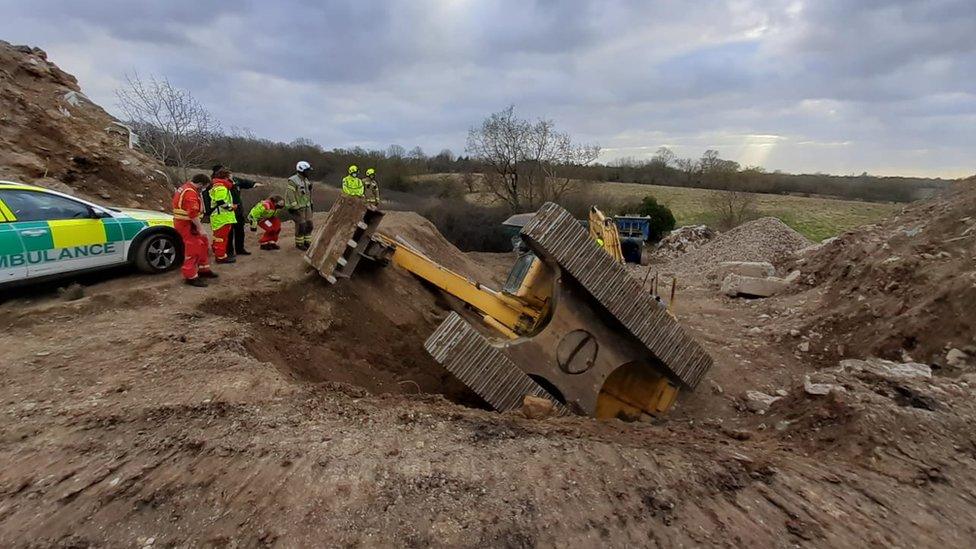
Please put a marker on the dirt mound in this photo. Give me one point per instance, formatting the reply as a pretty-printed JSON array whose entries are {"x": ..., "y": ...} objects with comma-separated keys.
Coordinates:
[
  {"x": 54, "y": 136},
  {"x": 418, "y": 232},
  {"x": 765, "y": 239},
  {"x": 906, "y": 285}
]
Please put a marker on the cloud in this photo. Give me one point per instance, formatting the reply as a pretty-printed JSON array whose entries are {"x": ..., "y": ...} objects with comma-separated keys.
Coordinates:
[{"x": 891, "y": 81}]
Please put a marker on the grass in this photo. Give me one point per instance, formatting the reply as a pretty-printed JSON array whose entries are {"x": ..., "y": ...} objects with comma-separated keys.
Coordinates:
[{"x": 815, "y": 218}]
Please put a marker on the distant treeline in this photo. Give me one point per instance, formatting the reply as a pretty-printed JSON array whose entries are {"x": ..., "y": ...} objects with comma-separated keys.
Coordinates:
[{"x": 396, "y": 166}]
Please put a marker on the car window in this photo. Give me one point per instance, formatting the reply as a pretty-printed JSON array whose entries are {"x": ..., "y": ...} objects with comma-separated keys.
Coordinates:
[{"x": 41, "y": 206}]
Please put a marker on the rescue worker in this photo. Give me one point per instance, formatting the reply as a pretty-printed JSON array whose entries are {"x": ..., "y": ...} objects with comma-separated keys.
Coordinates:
[
  {"x": 372, "y": 189},
  {"x": 187, "y": 209},
  {"x": 298, "y": 201},
  {"x": 351, "y": 184},
  {"x": 264, "y": 214},
  {"x": 235, "y": 244},
  {"x": 222, "y": 216},
  {"x": 237, "y": 234}
]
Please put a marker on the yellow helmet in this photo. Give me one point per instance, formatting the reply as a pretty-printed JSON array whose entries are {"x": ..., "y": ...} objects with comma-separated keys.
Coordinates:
[
  {"x": 370, "y": 171},
  {"x": 353, "y": 169}
]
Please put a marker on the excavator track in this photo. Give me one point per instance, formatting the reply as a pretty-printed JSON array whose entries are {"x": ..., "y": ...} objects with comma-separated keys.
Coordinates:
[
  {"x": 484, "y": 369},
  {"x": 557, "y": 237}
]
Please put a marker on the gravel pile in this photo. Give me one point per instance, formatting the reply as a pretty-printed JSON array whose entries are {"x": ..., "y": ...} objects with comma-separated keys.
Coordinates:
[
  {"x": 683, "y": 240},
  {"x": 765, "y": 239}
]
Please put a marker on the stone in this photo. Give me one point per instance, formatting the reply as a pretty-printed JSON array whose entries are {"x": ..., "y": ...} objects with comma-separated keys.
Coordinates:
[
  {"x": 274, "y": 278},
  {"x": 804, "y": 347},
  {"x": 888, "y": 369},
  {"x": 759, "y": 402},
  {"x": 716, "y": 388},
  {"x": 736, "y": 285},
  {"x": 73, "y": 292},
  {"x": 782, "y": 392},
  {"x": 820, "y": 389},
  {"x": 759, "y": 269},
  {"x": 755, "y": 330},
  {"x": 957, "y": 358},
  {"x": 794, "y": 333},
  {"x": 793, "y": 277},
  {"x": 534, "y": 407}
]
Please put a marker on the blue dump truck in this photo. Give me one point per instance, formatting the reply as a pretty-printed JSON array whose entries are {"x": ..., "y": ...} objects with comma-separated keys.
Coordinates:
[{"x": 634, "y": 231}]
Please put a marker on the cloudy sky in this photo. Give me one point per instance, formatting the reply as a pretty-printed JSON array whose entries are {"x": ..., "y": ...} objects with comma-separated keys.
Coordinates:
[{"x": 887, "y": 87}]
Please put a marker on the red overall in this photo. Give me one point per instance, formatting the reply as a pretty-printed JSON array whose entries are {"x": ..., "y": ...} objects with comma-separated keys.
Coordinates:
[
  {"x": 271, "y": 228},
  {"x": 186, "y": 208}
]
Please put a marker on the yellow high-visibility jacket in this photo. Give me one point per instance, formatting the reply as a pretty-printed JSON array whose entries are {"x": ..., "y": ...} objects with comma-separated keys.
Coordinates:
[{"x": 353, "y": 186}]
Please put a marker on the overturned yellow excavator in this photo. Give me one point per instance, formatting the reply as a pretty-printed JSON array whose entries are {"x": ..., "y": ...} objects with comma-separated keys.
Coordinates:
[{"x": 570, "y": 324}]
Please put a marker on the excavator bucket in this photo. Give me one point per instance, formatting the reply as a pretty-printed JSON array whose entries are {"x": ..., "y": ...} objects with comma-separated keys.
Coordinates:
[{"x": 348, "y": 229}]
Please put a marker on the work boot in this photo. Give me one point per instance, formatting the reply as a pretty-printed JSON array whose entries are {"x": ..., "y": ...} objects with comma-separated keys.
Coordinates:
[
  {"x": 196, "y": 282},
  {"x": 243, "y": 252},
  {"x": 207, "y": 274},
  {"x": 266, "y": 247},
  {"x": 227, "y": 259},
  {"x": 274, "y": 246}
]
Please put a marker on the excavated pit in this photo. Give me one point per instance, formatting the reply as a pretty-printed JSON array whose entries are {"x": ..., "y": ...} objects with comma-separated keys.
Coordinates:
[{"x": 368, "y": 331}]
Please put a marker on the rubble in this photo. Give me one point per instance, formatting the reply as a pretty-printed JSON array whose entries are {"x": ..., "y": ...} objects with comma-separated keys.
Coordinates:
[
  {"x": 764, "y": 240},
  {"x": 820, "y": 389},
  {"x": 759, "y": 402},
  {"x": 888, "y": 369},
  {"x": 683, "y": 240}
]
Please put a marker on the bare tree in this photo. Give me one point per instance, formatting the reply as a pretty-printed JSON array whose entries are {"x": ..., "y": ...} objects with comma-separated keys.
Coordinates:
[
  {"x": 664, "y": 156},
  {"x": 732, "y": 208},
  {"x": 690, "y": 167},
  {"x": 173, "y": 127},
  {"x": 527, "y": 163},
  {"x": 396, "y": 151}
]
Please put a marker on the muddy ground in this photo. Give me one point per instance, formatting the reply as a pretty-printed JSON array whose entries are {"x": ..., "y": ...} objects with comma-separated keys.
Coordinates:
[{"x": 273, "y": 410}]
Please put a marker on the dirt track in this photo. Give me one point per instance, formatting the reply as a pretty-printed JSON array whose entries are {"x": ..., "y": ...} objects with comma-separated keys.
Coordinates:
[{"x": 218, "y": 417}]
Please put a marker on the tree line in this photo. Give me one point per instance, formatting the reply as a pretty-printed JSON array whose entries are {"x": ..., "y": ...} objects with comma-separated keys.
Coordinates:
[{"x": 517, "y": 163}]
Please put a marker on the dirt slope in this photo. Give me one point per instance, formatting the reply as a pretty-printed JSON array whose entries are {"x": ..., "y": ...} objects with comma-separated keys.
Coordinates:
[
  {"x": 54, "y": 136},
  {"x": 906, "y": 285}
]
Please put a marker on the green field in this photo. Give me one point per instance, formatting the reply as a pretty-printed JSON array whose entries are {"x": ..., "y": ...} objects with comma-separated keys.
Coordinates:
[{"x": 815, "y": 218}]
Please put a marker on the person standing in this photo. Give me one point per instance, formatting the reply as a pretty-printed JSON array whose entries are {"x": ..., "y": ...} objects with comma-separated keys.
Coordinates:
[
  {"x": 222, "y": 216},
  {"x": 372, "y": 188},
  {"x": 351, "y": 184},
  {"x": 298, "y": 201},
  {"x": 264, "y": 214},
  {"x": 187, "y": 209},
  {"x": 237, "y": 233}
]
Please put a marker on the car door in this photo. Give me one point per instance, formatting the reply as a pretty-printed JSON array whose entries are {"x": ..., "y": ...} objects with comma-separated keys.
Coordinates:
[
  {"x": 59, "y": 234},
  {"x": 13, "y": 263}
]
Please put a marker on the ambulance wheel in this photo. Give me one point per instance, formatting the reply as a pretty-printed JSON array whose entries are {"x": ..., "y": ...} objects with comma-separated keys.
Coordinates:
[{"x": 158, "y": 253}]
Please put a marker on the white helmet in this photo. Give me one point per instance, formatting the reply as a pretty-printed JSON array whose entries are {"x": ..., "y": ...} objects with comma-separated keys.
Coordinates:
[{"x": 303, "y": 167}]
